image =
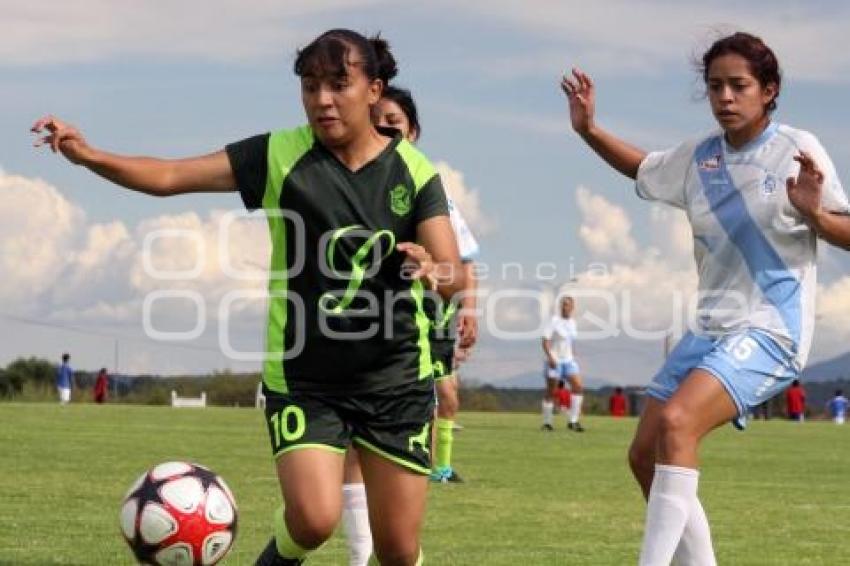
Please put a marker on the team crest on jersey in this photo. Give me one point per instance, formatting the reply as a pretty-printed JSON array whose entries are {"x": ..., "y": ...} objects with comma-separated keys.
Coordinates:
[
  {"x": 710, "y": 164},
  {"x": 768, "y": 188},
  {"x": 400, "y": 200}
]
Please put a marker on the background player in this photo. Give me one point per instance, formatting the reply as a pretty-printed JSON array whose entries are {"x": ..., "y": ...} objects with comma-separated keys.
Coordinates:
[
  {"x": 397, "y": 109},
  {"x": 837, "y": 407},
  {"x": 560, "y": 364}
]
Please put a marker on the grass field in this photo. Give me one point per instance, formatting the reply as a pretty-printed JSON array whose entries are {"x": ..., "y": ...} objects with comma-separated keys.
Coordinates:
[{"x": 777, "y": 494}]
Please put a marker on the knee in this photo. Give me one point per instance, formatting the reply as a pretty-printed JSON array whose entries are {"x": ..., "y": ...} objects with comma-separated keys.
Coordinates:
[
  {"x": 641, "y": 457},
  {"x": 576, "y": 386},
  {"x": 397, "y": 553},
  {"x": 310, "y": 527},
  {"x": 674, "y": 423},
  {"x": 448, "y": 406}
]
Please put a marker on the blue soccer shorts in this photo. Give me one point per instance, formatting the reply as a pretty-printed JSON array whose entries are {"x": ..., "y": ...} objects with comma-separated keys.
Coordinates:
[{"x": 751, "y": 365}]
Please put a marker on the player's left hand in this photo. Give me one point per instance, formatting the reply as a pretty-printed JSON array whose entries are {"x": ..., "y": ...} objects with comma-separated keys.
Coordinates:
[
  {"x": 805, "y": 191},
  {"x": 467, "y": 329},
  {"x": 462, "y": 354},
  {"x": 418, "y": 263}
]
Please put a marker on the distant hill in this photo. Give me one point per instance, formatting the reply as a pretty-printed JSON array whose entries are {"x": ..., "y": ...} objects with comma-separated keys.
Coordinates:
[
  {"x": 830, "y": 370},
  {"x": 535, "y": 381}
]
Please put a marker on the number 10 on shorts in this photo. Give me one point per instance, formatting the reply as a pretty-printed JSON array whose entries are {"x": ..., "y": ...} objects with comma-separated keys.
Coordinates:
[{"x": 288, "y": 425}]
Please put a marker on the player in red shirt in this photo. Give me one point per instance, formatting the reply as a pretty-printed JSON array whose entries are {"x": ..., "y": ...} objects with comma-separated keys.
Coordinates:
[
  {"x": 564, "y": 398},
  {"x": 101, "y": 385},
  {"x": 617, "y": 404},
  {"x": 795, "y": 401}
]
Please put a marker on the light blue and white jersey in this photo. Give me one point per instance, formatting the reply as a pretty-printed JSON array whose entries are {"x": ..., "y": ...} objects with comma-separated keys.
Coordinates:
[
  {"x": 466, "y": 242},
  {"x": 561, "y": 332},
  {"x": 755, "y": 256}
]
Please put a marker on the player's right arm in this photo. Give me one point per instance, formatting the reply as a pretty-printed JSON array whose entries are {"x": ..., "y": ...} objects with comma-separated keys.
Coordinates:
[
  {"x": 619, "y": 154},
  {"x": 153, "y": 176},
  {"x": 547, "y": 349}
]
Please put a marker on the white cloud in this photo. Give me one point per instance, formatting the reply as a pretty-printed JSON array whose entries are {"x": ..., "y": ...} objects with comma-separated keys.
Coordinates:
[
  {"x": 97, "y": 30},
  {"x": 647, "y": 37},
  {"x": 39, "y": 232},
  {"x": 605, "y": 229},
  {"x": 467, "y": 199},
  {"x": 833, "y": 312},
  {"x": 60, "y": 267}
]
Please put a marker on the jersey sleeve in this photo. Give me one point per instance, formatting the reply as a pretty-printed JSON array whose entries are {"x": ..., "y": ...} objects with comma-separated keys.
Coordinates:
[
  {"x": 249, "y": 162},
  {"x": 466, "y": 242},
  {"x": 662, "y": 175},
  {"x": 430, "y": 200},
  {"x": 833, "y": 198}
]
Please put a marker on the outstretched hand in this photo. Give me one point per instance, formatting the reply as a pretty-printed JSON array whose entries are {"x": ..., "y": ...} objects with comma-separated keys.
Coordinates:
[
  {"x": 418, "y": 263},
  {"x": 582, "y": 98},
  {"x": 805, "y": 191},
  {"x": 62, "y": 137}
]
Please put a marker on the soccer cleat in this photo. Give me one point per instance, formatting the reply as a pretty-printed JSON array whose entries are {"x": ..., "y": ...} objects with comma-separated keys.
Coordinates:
[
  {"x": 577, "y": 427},
  {"x": 270, "y": 557},
  {"x": 570, "y": 426},
  {"x": 445, "y": 475},
  {"x": 547, "y": 427},
  {"x": 452, "y": 477}
]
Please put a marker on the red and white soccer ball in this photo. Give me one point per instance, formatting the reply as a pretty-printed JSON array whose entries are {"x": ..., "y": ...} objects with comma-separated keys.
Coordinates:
[{"x": 179, "y": 514}]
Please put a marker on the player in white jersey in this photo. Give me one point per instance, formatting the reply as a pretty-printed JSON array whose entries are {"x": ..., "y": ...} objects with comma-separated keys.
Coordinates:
[
  {"x": 397, "y": 110},
  {"x": 443, "y": 350},
  {"x": 560, "y": 365},
  {"x": 758, "y": 195}
]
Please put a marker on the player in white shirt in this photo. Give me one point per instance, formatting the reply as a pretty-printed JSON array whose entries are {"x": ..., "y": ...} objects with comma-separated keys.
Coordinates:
[
  {"x": 758, "y": 195},
  {"x": 397, "y": 109},
  {"x": 560, "y": 365},
  {"x": 443, "y": 354}
]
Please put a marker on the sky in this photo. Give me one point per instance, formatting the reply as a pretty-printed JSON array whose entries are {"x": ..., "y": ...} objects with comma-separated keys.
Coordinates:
[{"x": 104, "y": 273}]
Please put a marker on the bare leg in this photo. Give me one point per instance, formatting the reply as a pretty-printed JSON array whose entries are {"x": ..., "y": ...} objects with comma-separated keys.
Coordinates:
[
  {"x": 311, "y": 483},
  {"x": 396, "y": 508},
  {"x": 699, "y": 405}
]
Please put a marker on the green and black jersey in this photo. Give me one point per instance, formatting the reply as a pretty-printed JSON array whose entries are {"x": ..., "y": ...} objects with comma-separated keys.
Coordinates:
[{"x": 342, "y": 316}]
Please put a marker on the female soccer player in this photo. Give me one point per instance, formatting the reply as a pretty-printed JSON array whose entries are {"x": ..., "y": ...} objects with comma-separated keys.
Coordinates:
[
  {"x": 758, "y": 195},
  {"x": 347, "y": 337},
  {"x": 397, "y": 110},
  {"x": 560, "y": 364}
]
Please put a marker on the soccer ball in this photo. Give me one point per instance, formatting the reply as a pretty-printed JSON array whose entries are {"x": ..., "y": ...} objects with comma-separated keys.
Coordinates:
[{"x": 179, "y": 514}]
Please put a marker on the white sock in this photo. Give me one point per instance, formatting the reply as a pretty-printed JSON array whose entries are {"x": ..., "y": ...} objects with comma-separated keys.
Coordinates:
[
  {"x": 671, "y": 498},
  {"x": 355, "y": 519},
  {"x": 695, "y": 547},
  {"x": 575, "y": 408},
  {"x": 548, "y": 408}
]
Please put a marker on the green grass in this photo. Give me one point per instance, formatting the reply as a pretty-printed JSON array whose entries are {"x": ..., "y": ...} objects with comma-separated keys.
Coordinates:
[{"x": 776, "y": 494}]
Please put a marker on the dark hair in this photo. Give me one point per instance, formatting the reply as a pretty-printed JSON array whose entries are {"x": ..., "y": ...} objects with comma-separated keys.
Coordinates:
[
  {"x": 838, "y": 392},
  {"x": 618, "y": 389},
  {"x": 795, "y": 383},
  {"x": 762, "y": 61},
  {"x": 404, "y": 99},
  {"x": 329, "y": 53},
  {"x": 66, "y": 356}
]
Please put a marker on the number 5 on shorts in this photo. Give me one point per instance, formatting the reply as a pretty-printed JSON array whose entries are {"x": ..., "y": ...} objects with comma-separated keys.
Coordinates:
[
  {"x": 742, "y": 347},
  {"x": 288, "y": 425}
]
